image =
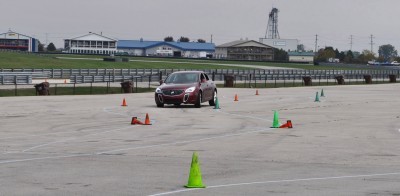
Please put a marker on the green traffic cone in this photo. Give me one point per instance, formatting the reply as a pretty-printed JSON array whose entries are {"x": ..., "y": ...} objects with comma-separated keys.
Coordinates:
[
  {"x": 216, "y": 103},
  {"x": 195, "y": 174},
  {"x": 316, "y": 98},
  {"x": 322, "y": 93},
  {"x": 275, "y": 123}
]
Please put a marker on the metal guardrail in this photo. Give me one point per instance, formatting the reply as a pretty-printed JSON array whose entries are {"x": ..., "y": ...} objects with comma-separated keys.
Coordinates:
[
  {"x": 15, "y": 79},
  {"x": 67, "y": 73},
  {"x": 102, "y": 79}
]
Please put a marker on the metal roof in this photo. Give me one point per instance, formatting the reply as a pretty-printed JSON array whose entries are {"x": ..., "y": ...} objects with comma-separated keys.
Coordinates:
[
  {"x": 301, "y": 53},
  {"x": 140, "y": 44},
  {"x": 240, "y": 42}
]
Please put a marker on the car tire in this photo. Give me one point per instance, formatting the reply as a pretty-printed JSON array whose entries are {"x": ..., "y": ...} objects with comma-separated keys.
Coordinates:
[
  {"x": 158, "y": 103},
  {"x": 198, "y": 100},
  {"x": 212, "y": 101}
]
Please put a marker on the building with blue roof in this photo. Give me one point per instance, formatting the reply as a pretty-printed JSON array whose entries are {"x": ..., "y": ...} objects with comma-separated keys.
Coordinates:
[
  {"x": 163, "y": 48},
  {"x": 16, "y": 41}
]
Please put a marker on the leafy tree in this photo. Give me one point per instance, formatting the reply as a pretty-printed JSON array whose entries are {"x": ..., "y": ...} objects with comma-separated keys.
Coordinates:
[
  {"x": 349, "y": 57},
  {"x": 41, "y": 47},
  {"x": 324, "y": 54},
  {"x": 337, "y": 53},
  {"x": 280, "y": 55},
  {"x": 387, "y": 52},
  {"x": 169, "y": 39},
  {"x": 184, "y": 39},
  {"x": 201, "y": 41},
  {"x": 300, "y": 47},
  {"x": 342, "y": 55},
  {"x": 366, "y": 56},
  {"x": 51, "y": 47}
]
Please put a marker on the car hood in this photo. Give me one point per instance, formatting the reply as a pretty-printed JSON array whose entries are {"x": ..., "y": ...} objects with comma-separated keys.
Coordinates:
[{"x": 171, "y": 86}]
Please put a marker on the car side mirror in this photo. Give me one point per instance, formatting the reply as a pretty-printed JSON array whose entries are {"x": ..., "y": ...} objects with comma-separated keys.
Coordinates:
[{"x": 161, "y": 82}]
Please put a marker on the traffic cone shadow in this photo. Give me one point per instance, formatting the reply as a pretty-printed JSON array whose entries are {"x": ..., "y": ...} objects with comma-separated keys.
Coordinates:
[{"x": 195, "y": 180}]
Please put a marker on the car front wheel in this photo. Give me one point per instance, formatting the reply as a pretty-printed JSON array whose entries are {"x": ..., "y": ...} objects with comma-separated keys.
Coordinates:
[{"x": 214, "y": 98}]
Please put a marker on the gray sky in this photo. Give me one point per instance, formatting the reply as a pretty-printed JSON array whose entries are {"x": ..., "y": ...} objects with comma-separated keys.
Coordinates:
[{"x": 228, "y": 20}]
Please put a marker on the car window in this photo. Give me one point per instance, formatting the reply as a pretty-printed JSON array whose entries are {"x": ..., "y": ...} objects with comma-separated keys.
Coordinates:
[
  {"x": 206, "y": 77},
  {"x": 182, "y": 78}
]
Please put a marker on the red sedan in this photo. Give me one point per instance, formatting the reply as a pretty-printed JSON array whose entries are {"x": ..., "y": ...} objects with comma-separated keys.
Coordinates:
[{"x": 186, "y": 87}]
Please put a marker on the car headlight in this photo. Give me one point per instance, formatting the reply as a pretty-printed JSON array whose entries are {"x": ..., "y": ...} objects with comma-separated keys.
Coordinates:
[
  {"x": 189, "y": 90},
  {"x": 158, "y": 90}
]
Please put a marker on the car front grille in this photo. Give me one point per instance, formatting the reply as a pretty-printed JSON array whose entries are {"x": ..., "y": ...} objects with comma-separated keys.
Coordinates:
[{"x": 172, "y": 92}]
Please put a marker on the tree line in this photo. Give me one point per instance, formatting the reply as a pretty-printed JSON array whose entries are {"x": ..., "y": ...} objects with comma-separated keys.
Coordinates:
[{"x": 386, "y": 53}]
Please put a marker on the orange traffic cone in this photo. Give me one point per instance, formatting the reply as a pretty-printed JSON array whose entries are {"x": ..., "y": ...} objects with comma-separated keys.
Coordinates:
[
  {"x": 257, "y": 92},
  {"x": 124, "y": 103},
  {"x": 288, "y": 124},
  {"x": 236, "y": 97},
  {"x": 65, "y": 81},
  {"x": 147, "y": 121},
  {"x": 135, "y": 121}
]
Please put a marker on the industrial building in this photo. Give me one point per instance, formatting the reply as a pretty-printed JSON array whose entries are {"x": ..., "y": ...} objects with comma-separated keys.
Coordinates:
[
  {"x": 168, "y": 49},
  {"x": 91, "y": 43},
  {"x": 306, "y": 57},
  {"x": 245, "y": 50},
  {"x": 16, "y": 41},
  {"x": 284, "y": 44}
]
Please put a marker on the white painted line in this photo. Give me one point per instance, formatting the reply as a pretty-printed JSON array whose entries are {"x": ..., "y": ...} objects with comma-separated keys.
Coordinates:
[{"x": 279, "y": 181}]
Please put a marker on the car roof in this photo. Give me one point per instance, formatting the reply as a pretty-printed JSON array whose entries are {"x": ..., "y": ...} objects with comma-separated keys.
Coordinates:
[{"x": 189, "y": 72}]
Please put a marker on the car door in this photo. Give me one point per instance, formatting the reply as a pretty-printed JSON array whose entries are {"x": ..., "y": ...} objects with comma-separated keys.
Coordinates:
[
  {"x": 210, "y": 86},
  {"x": 204, "y": 87}
]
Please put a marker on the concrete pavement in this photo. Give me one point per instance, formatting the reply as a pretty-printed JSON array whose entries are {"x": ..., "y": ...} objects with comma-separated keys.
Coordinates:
[{"x": 347, "y": 144}]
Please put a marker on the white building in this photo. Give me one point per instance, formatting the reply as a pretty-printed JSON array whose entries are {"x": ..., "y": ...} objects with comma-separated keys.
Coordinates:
[
  {"x": 91, "y": 43},
  {"x": 284, "y": 44},
  {"x": 168, "y": 49},
  {"x": 16, "y": 41},
  {"x": 245, "y": 50},
  {"x": 305, "y": 57}
]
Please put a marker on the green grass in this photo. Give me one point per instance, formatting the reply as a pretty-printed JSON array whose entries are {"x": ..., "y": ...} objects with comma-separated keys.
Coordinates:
[{"x": 50, "y": 61}]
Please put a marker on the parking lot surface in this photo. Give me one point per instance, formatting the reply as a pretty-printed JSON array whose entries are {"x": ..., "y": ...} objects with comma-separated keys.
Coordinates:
[{"x": 346, "y": 144}]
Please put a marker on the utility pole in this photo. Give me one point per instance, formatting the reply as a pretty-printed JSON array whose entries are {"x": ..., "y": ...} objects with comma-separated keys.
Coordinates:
[
  {"x": 351, "y": 42},
  {"x": 316, "y": 43},
  {"x": 211, "y": 38},
  {"x": 372, "y": 43},
  {"x": 46, "y": 38}
]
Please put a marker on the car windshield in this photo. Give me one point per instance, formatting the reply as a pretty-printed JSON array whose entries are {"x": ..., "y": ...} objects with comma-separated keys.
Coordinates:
[{"x": 182, "y": 78}]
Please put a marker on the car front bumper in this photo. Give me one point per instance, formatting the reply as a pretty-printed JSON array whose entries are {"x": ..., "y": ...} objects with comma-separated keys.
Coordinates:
[{"x": 183, "y": 98}]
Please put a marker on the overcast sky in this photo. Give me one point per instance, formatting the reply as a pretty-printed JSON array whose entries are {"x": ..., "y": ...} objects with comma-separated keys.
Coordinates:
[{"x": 227, "y": 20}]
